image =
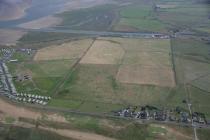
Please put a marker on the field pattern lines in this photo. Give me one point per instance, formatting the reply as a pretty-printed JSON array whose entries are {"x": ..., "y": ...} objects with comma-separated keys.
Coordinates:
[{"x": 62, "y": 82}]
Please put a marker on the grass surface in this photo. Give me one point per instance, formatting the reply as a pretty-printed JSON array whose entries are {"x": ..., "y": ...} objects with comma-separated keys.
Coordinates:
[
  {"x": 123, "y": 129},
  {"x": 203, "y": 134},
  {"x": 45, "y": 75},
  {"x": 166, "y": 17},
  {"x": 95, "y": 18},
  {"x": 192, "y": 68},
  {"x": 94, "y": 87},
  {"x": 19, "y": 133}
]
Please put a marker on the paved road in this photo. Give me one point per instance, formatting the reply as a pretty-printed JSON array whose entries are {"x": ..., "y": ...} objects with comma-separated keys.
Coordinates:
[{"x": 97, "y": 33}]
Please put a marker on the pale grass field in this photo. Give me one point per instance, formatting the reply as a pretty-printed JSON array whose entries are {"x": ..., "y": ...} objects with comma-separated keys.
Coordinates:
[{"x": 70, "y": 50}]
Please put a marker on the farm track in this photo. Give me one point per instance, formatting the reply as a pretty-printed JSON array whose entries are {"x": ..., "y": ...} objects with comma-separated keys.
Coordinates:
[
  {"x": 73, "y": 68},
  {"x": 173, "y": 63}
]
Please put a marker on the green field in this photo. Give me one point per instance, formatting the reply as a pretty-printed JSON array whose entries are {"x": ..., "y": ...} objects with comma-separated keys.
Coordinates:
[
  {"x": 192, "y": 68},
  {"x": 8, "y": 132},
  {"x": 140, "y": 17},
  {"x": 203, "y": 134},
  {"x": 95, "y": 18},
  {"x": 94, "y": 87},
  {"x": 164, "y": 16},
  {"x": 45, "y": 75},
  {"x": 36, "y": 40}
]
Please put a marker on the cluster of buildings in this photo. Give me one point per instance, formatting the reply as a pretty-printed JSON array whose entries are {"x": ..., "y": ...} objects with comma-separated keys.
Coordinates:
[
  {"x": 161, "y": 36},
  {"x": 21, "y": 78},
  {"x": 177, "y": 115},
  {"x": 6, "y": 79},
  {"x": 28, "y": 51},
  {"x": 7, "y": 53},
  {"x": 7, "y": 86},
  {"x": 30, "y": 98}
]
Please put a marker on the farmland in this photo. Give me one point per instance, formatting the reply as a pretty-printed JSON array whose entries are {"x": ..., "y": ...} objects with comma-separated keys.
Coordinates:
[
  {"x": 162, "y": 16},
  {"x": 98, "y": 83},
  {"x": 72, "y": 50},
  {"x": 106, "y": 63},
  {"x": 192, "y": 69},
  {"x": 116, "y": 72},
  {"x": 103, "y": 52}
]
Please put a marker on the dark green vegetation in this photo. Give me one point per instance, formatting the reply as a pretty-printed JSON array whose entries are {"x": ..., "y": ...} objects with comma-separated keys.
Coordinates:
[
  {"x": 165, "y": 16},
  {"x": 42, "y": 39},
  {"x": 96, "y": 18},
  {"x": 141, "y": 17},
  {"x": 147, "y": 16},
  {"x": 203, "y": 134},
  {"x": 8, "y": 132}
]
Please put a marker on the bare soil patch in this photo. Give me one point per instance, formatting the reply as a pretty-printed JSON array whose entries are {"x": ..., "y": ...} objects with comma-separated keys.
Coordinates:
[
  {"x": 77, "y": 134},
  {"x": 103, "y": 52},
  {"x": 70, "y": 50},
  {"x": 8, "y": 109},
  {"x": 44, "y": 22},
  {"x": 137, "y": 74},
  {"x": 73, "y": 134},
  {"x": 10, "y": 37}
]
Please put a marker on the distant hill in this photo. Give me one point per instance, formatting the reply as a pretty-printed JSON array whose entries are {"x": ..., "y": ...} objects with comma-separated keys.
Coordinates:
[
  {"x": 203, "y": 1},
  {"x": 13, "y": 9}
]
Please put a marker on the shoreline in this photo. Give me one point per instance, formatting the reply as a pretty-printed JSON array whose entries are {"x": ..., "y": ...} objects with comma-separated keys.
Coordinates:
[{"x": 13, "y": 11}]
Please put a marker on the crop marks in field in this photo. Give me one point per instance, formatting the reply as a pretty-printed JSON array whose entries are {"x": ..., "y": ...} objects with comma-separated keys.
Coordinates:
[
  {"x": 103, "y": 52},
  {"x": 147, "y": 62},
  {"x": 142, "y": 61},
  {"x": 144, "y": 75}
]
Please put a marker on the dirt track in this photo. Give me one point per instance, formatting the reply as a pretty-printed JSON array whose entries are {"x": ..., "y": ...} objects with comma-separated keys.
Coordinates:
[{"x": 8, "y": 109}]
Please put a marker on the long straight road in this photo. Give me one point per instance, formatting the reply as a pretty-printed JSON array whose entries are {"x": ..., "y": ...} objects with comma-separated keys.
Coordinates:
[
  {"x": 99, "y": 33},
  {"x": 190, "y": 110}
]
